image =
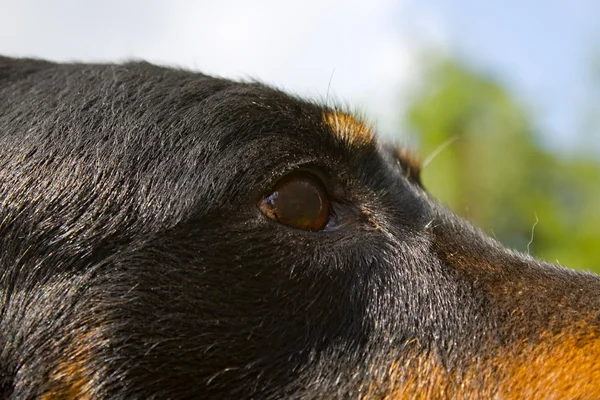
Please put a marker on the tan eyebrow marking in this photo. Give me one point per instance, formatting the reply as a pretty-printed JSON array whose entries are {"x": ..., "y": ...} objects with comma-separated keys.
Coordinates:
[{"x": 348, "y": 128}]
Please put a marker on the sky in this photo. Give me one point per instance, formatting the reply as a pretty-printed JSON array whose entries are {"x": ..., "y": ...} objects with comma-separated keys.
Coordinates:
[
  {"x": 360, "y": 53},
  {"x": 544, "y": 49}
]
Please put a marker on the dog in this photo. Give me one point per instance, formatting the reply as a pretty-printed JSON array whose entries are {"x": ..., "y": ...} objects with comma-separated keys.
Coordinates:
[{"x": 170, "y": 235}]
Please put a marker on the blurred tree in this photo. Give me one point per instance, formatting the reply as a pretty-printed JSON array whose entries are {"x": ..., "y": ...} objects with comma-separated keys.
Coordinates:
[{"x": 492, "y": 169}]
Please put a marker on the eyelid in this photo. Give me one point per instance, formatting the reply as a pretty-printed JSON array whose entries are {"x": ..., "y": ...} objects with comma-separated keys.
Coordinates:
[{"x": 316, "y": 172}]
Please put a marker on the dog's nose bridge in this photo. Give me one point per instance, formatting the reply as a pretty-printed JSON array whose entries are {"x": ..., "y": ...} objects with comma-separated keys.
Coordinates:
[
  {"x": 528, "y": 296},
  {"x": 539, "y": 334}
]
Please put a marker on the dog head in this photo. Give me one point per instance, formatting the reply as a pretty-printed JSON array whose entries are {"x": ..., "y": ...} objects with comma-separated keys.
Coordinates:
[{"x": 167, "y": 234}]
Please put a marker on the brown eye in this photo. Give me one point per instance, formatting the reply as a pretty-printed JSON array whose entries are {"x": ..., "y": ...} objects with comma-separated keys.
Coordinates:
[{"x": 298, "y": 201}]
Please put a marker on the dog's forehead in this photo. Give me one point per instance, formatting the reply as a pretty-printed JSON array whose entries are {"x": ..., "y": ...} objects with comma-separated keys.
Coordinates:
[{"x": 269, "y": 111}]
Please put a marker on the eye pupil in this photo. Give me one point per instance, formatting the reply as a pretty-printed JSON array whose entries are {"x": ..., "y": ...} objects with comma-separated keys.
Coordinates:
[{"x": 298, "y": 201}]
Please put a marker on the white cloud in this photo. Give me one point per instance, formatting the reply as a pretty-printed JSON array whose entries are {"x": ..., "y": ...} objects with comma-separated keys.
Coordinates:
[{"x": 294, "y": 45}]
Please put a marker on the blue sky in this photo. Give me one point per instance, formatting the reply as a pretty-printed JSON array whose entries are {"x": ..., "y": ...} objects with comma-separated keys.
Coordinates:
[
  {"x": 363, "y": 53},
  {"x": 543, "y": 49}
]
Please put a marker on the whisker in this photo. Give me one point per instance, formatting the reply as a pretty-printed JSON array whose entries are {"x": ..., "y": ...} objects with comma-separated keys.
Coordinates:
[
  {"x": 329, "y": 87},
  {"x": 438, "y": 150},
  {"x": 532, "y": 232}
]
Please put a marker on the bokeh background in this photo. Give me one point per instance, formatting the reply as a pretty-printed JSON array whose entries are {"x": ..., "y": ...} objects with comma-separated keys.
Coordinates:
[{"x": 499, "y": 98}]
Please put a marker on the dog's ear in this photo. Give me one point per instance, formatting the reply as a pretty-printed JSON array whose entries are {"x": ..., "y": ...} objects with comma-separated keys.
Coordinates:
[{"x": 12, "y": 69}]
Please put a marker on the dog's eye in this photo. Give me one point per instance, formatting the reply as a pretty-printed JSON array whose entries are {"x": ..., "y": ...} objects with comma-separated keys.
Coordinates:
[{"x": 298, "y": 201}]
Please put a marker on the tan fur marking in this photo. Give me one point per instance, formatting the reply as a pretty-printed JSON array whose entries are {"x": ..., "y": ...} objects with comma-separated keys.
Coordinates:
[
  {"x": 348, "y": 128},
  {"x": 71, "y": 378},
  {"x": 561, "y": 366},
  {"x": 410, "y": 163}
]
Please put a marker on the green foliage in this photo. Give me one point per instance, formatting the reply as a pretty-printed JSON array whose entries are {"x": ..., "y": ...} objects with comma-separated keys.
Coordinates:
[{"x": 495, "y": 172}]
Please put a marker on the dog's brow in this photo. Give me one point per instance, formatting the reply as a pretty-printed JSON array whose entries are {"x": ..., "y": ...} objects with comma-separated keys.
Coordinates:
[{"x": 348, "y": 128}]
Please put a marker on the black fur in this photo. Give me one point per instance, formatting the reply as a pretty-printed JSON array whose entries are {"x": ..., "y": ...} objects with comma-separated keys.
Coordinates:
[{"x": 134, "y": 257}]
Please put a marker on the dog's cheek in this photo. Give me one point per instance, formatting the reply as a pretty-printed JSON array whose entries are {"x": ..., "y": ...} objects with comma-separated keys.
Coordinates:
[
  {"x": 199, "y": 310},
  {"x": 224, "y": 304}
]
